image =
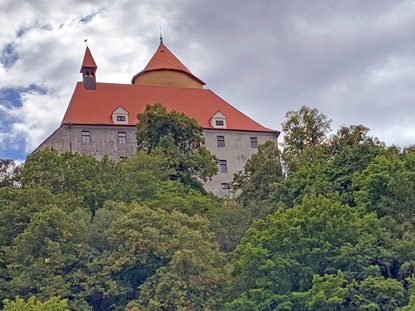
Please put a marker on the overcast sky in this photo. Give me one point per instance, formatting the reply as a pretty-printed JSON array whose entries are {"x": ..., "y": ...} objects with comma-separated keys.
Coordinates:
[{"x": 353, "y": 60}]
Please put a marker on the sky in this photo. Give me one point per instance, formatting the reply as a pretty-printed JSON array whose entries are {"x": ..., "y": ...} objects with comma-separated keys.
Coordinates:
[{"x": 352, "y": 60}]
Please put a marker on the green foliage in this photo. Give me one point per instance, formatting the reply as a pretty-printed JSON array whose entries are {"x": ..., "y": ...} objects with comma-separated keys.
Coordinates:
[
  {"x": 79, "y": 175},
  {"x": 105, "y": 264},
  {"x": 348, "y": 136},
  {"x": 309, "y": 178},
  {"x": 280, "y": 255},
  {"x": 43, "y": 258},
  {"x": 53, "y": 304},
  {"x": 334, "y": 231},
  {"x": 303, "y": 129},
  {"x": 378, "y": 293},
  {"x": 229, "y": 223},
  {"x": 167, "y": 256},
  {"x": 9, "y": 173},
  {"x": 328, "y": 293},
  {"x": 144, "y": 178},
  {"x": 347, "y": 161},
  {"x": 261, "y": 171},
  {"x": 290, "y": 246},
  {"x": 387, "y": 186},
  {"x": 179, "y": 138}
]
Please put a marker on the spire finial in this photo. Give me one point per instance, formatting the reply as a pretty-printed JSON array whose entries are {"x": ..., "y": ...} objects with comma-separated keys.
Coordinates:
[
  {"x": 86, "y": 42},
  {"x": 161, "y": 37}
]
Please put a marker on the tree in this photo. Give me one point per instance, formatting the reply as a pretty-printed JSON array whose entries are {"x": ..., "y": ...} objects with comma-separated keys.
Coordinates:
[
  {"x": 229, "y": 222},
  {"x": 346, "y": 247},
  {"x": 348, "y": 136},
  {"x": 53, "y": 304},
  {"x": 328, "y": 293},
  {"x": 260, "y": 172},
  {"x": 303, "y": 130},
  {"x": 351, "y": 150},
  {"x": 309, "y": 178},
  {"x": 48, "y": 257},
  {"x": 179, "y": 138},
  {"x": 387, "y": 187},
  {"x": 9, "y": 173},
  {"x": 153, "y": 260},
  {"x": 75, "y": 174}
]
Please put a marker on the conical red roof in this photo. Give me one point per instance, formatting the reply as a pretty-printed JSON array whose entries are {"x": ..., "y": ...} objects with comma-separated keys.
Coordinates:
[
  {"x": 163, "y": 59},
  {"x": 88, "y": 60}
]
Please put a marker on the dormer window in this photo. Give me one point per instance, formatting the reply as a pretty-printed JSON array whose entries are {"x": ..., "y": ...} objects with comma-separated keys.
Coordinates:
[
  {"x": 120, "y": 116},
  {"x": 218, "y": 120}
]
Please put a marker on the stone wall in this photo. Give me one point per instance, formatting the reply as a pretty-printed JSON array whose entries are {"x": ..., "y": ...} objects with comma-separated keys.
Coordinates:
[
  {"x": 236, "y": 152},
  {"x": 104, "y": 140}
]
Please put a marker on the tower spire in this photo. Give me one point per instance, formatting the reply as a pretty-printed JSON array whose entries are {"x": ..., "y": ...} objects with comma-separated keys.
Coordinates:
[
  {"x": 88, "y": 69},
  {"x": 161, "y": 37}
]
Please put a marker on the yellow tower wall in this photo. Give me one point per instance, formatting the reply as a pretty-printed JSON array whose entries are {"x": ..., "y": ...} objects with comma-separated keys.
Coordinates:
[{"x": 167, "y": 78}]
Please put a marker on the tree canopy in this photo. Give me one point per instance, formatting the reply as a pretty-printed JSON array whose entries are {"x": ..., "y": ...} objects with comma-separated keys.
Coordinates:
[
  {"x": 325, "y": 224},
  {"x": 179, "y": 138}
]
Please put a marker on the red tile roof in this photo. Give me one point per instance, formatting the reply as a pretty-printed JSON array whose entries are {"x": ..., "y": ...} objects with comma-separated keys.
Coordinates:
[
  {"x": 96, "y": 106},
  {"x": 163, "y": 59},
  {"x": 88, "y": 60}
]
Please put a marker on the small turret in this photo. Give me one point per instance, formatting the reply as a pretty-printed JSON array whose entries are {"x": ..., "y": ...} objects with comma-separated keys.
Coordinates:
[{"x": 88, "y": 70}]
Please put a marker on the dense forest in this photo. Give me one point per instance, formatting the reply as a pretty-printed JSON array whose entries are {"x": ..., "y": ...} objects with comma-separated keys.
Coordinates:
[{"x": 325, "y": 223}]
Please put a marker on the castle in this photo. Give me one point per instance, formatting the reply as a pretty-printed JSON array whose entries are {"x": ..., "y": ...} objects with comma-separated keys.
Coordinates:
[{"x": 101, "y": 117}]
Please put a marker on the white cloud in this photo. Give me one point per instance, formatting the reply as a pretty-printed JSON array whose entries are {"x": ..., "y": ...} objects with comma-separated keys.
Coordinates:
[{"x": 37, "y": 118}]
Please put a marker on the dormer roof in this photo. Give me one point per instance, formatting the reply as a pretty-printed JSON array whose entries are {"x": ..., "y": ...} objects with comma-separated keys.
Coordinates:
[
  {"x": 216, "y": 118},
  {"x": 88, "y": 60},
  {"x": 120, "y": 109},
  {"x": 218, "y": 115},
  {"x": 163, "y": 59}
]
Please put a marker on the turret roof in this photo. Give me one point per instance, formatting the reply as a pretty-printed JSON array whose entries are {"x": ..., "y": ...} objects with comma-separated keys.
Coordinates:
[
  {"x": 88, "y": 60},
  {"x": 164, "y": 59}
]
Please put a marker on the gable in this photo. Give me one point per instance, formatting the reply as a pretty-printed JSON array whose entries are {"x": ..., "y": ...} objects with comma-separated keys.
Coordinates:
[
  {"x": 218, "y": 120},
  {"x": 120, "y": 116}
]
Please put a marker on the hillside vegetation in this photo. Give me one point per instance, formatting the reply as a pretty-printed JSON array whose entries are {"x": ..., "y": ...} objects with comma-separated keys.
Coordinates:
[{"x": 325, "y": 224}]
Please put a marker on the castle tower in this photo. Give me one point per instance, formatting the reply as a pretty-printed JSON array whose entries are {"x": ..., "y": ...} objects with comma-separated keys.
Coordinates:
[
  {"x": 88, "y": 70},
  {"x": 164, "y": 69}
]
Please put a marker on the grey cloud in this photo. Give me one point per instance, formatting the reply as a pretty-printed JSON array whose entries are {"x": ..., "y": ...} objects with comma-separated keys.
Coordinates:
[{"x": 274, "y": 56}]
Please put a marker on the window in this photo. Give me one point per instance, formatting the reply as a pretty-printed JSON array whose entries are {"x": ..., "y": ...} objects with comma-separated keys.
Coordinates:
[
  {"x": 219, "y": 123},
  {"x": 120, "y": 118},
  {"x": 254, "y": 142},
  {"x": 122, "y": 138},
  {"x": 221, "y": 141},
  {"x": 225, "y": 190},
  {"x": 223, "y": 167},
  {"x": 85, "y": 136}
]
